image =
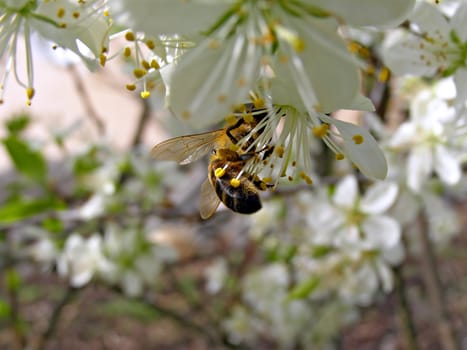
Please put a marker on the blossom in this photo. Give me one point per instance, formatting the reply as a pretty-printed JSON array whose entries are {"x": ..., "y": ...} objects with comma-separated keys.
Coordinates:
[
  {"x": 433, "y": 45},
  {"x": 241, "y": 41},
  {"x": 433, "y": 138},
  {"x": 81, "y": 259},
  {"x": 79, "y": 26}
]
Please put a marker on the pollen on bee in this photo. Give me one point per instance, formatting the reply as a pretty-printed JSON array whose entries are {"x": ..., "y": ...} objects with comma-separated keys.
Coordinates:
[
  {"x": 233, "y": 147},
  {"x": 219, "y": 172},
  {"x": 231, "y": 119},
  {"x": 248, "y": 118},
  {"x": 358, "y": 139},
  {"x": 234, "y": 182},
  {"x": 267, "y": 179}
]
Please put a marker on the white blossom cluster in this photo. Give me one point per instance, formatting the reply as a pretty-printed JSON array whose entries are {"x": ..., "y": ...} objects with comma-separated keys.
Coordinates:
[{"x": 326, "y": 251}]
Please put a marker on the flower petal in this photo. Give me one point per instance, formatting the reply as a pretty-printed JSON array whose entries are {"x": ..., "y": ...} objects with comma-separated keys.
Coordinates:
[
  {"x": 380, "y": 13},
  {"x": 419, "y": 166},
  {"x": 382, "y": 231},
  {"x": 447, "y": 166},
  {"x": 315, "y": 69},
  {"x": 346, "y": 192},
  {"x": 379, "y": 197},
  {"x": 166, "y": 18},
  {"x": 212, "y": 79},
  {"x": 365, "y": 153}
]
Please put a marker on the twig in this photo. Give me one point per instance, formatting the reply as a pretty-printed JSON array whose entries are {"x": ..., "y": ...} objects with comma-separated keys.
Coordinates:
[
  {"x": 13, "y": 316},
  {"x": 68, "y": 296},
  {"x": 404, "y": 311},
  {"x": 435, "y": 288},
  {"x": 143, "y": 120},
  {"x": 88, "y": 106}
]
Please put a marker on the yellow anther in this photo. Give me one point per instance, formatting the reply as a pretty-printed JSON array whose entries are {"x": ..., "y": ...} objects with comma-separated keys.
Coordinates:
[
  {"x": 106, "y": 13},
  {"x": 290, "y": 178},
  {"x": 154, "y": 64},
  {"x": 150, "y": 44},
  {"x": 127, "y": 52},
  {"x": 145, "y": 94},
  {"x": 339, "y": 156},
  {"x": 76, "y": 14},
  {"x": 231, "y": 119},
  {"x": 61, "y": 12},
  {"x": 241, "y": 81},
  {"x": 130, "y": 87},
  {"x": 383, "y": 75},
  {"x": 213, "y": 44},
  {"x": 102, "y": 59},
  {"x": 30, "y": 92},
  {"x": 353, "y": 47},
  {"x": 358, "y": 139},
  {"x": 320, "y": 131},
  {"x": 62, "y": 25},
  {"x": 145, "y": 64},
  {"x": 306, "y": 178},
  {"x": 248, "y": 118},
  {"x": 279, "y": 151},
  {"x": 298, "y": 44},
  {"x": 370, "y": 69},
  {"x": 139, "y": 72},
  {"x": 219, "y": 172},
  {"x": 235, "y": 182},
  {"x": 258, "y": 102},
  {"x": 130, "y": 36}
]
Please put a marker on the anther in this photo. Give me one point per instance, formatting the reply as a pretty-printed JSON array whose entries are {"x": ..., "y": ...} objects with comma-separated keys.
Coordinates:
[
  {"x": 320, "y": 131},
  {"x": 358, "y": 139},
  {"x": 145, "y": 94},
  {"x": 339, "y": 156},
  {"x": 130, "y": 36}
]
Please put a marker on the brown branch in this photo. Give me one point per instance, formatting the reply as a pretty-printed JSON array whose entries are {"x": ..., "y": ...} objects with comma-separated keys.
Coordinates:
[
  {"x": 68, "y": 296},
  {"x": 434, "y": 287},
  {"x": 404, "y": 312},
  {"x": 85, "y": 98}
]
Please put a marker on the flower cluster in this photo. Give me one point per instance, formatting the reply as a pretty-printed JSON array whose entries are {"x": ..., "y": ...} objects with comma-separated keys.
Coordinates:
[
  {"x": 338, "y": 254},
  {"x": 79, "y": 26}
]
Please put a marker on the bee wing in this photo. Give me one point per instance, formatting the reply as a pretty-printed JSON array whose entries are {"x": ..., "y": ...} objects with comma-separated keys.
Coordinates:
[
  {"x": 186, "y": 149},
  {"x": 208, "y": 200}
]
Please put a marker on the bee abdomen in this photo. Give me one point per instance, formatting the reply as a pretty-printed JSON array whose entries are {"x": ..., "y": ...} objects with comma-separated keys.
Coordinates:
[{"x": 240, "y": 199}]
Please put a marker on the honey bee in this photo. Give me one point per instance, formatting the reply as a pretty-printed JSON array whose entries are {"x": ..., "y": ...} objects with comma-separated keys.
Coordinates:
[{"x": 227, "y": 181}]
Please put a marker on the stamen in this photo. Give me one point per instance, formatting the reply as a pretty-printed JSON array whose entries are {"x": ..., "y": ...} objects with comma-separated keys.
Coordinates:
[{"x": 358, "y": 139}]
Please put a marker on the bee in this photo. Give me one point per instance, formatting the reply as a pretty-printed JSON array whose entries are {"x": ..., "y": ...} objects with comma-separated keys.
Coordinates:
[{"x": 227, "y": 180}]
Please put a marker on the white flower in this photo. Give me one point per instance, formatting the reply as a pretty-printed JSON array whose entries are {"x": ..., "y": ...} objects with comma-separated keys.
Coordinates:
[
  {"x": 81, "y": 259},
  {"x": 434, "y": 139},
  {"x": 433, "y": 45},
  {"x": 242, "y": 41},
  {"x": 360, "y": 222},
  {"x": 78, "y": 26}
]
